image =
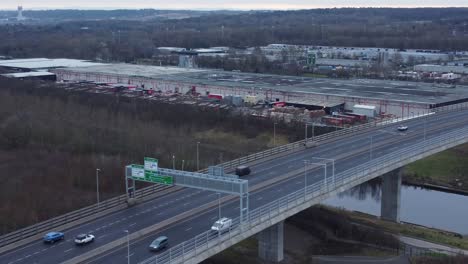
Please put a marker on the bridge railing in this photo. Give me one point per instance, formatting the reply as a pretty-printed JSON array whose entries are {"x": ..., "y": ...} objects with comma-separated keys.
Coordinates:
[
  {"x": 271, "y": 212},
  {"x": 92, "y": 211}
]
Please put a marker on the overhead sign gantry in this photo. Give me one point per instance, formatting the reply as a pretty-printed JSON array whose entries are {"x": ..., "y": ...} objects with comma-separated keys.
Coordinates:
[{"x": 216, "y": 180}]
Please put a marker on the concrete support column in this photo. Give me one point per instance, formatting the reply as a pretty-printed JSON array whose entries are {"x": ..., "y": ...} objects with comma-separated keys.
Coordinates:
[
  {"x": 270, "y": 243},
  {"x": 391, "y": 196}
]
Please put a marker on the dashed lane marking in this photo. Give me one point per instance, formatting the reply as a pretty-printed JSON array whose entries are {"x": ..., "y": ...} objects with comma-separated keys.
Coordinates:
[
  {"x": 188, "y": 229},
  {"x": 132, "y": 224},
  {"x": 68, "y": 250}
]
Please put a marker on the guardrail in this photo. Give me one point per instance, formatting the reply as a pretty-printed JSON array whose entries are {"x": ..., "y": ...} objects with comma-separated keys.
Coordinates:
[
  {"x": 91, "y": 210},
  {"x": 414, "y": 251},
  {"x": 271, "y": 212},
  {"x": 75, "y": 215}
]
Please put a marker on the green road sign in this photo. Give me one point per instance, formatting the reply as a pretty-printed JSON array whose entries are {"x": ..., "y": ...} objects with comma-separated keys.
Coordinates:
[
  {"x": 138, "y": 171},
  {"x": 151, "y": 164},
  {"x": 157, "y": 178}
]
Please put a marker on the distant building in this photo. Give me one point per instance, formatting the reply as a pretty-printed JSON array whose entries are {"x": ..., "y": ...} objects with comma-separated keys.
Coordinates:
[
  {"x": 20, "y": 14},
  {"x": 460, "y": 69}
]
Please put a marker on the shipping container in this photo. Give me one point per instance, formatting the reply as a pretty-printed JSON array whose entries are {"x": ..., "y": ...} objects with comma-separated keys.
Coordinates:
[
  {"x": 279, "y": 104},
  {"x": 215, "y": 96},
  {"x": 335, "y": 121},
  {"x": 347, "y": 119},
  {"x": 361, "y": 118}
]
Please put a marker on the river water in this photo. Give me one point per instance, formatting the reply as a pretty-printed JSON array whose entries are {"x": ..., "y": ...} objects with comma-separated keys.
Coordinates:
[{"x": 421, "y": 206}]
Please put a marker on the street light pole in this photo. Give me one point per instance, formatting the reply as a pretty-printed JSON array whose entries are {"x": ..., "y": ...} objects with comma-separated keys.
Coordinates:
[
  {"x": 325, "y": 170},
  {"x": 305, "y": 179},
  {"x": 128, "y": 246},
  {"x": 198, "y": 157},
  {"x": 219, "y": 205},
  {"x": 183, "y": 161},
  {"x": 425, "y": 129},
  {"x": 274, "y": 134},
  {"x": 371, "y": 139},
  {"x": 333, "y": 167},
  {"x": 305, "y": 138},
  {"x": 313, "y": 132},
  {"x": 173, "y": 162},
  {"x": 97, "y": 186}
]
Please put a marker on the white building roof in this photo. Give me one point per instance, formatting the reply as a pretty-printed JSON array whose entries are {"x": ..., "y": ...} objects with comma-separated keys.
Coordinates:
[
  {"x": 27, "y": 74},
  {"x": 44, "y": 63},
  {"x": 370, "y": 107}
]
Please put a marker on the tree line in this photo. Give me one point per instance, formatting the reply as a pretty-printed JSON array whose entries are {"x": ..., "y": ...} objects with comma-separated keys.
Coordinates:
[{"x": 115, "y": 40}]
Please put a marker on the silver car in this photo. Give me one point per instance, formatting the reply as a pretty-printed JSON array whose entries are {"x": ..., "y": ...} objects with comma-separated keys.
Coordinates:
[{"x": 159, "y": 243}]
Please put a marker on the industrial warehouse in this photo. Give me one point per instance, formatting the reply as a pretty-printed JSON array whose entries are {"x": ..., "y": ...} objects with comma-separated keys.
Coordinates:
[
  {"x": 364, "y": 96},
  {"x": 387, "y": 97}
]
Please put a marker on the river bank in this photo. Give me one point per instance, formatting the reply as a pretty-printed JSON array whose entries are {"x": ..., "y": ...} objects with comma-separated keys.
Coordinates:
[{"x": 447, "y": 171}]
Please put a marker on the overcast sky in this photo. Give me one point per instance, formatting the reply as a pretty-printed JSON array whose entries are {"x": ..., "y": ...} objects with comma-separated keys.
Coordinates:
[{"x": 224, "y": 4}]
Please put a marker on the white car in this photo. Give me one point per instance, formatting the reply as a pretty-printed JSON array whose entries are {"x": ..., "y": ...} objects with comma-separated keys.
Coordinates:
[
  {"x": 82, "y": 239},
  {"x": 222, "y": 224},
  {"x": 402, "y": 128}
]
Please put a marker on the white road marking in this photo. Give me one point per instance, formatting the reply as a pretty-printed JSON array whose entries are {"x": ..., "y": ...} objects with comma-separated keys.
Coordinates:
[
  {"x": 68, "y": 250},
  {"x": 213, "y": 218},
  {"x": 259, "y": 198},
  {"x": 185, "y": 204},
  {"x": 37, "y": 252},
  {"x": 129, "y": 255},
  {"x": 27, "y": 256},
  {"x": 44, "y": 249},
  {"x": 132, "y": 224},
  {"x": 188, "y": 229}
]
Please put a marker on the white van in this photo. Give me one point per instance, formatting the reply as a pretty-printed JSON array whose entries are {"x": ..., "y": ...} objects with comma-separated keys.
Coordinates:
[{"x": 222, "y": 224}]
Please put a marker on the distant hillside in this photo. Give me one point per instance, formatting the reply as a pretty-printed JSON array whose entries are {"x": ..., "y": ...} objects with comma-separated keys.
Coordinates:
[{"x": 120, "y": 14}]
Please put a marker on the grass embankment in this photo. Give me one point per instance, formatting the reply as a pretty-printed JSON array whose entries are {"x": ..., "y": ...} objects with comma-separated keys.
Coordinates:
[
  {"x": 448, "y": 168},
  {"x": 429, "y": 234}
]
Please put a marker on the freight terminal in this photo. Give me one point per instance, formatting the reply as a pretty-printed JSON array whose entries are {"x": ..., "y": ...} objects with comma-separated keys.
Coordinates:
[
  {"x": 362, "y": 96},
  {"x": 385, "y": 97}
]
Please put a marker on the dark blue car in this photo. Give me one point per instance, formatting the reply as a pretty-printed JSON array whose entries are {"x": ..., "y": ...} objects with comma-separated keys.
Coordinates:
[{"x": 52, "y": 237}]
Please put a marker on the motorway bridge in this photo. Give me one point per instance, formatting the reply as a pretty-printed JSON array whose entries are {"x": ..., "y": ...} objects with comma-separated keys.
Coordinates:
[{"x": 283, "y": 182}]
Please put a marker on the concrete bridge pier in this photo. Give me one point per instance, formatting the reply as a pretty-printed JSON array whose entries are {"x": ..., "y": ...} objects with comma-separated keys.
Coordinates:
[
  {"x": 270, "y": 243},
  {"x": 391, "y": 195}
]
